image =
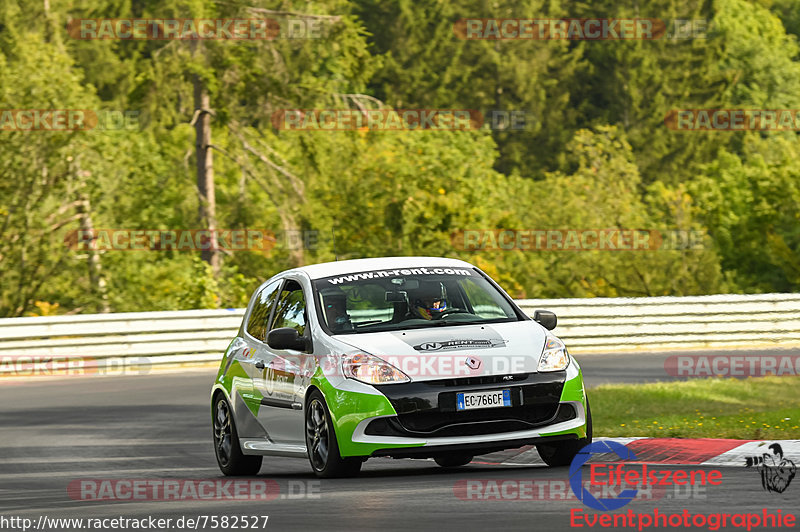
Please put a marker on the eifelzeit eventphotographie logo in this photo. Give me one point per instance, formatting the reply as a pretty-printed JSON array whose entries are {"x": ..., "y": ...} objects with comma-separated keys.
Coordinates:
[{"x": 776, "y": 470}]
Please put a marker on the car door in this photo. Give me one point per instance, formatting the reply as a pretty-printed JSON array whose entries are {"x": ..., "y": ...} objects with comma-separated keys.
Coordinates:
[
  {"x": 281, "y": 410},
  {"x": 253, "y": 356}
]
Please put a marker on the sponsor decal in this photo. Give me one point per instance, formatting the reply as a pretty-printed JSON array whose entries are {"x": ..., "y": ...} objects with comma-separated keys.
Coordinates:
[
  {"x": 460, "y": 344},
  {"x": 380, "y": 274}
]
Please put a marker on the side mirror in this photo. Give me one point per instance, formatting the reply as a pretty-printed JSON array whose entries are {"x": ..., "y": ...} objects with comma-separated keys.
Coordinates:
[
  {"x": 545, "y": 318},
  {"x": 286, "y": 338}
]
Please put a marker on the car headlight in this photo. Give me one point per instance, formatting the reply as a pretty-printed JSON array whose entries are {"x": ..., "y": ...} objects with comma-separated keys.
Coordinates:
[
  {"x": 554, "y": 355},
  {"x": 371, "y": 369}
]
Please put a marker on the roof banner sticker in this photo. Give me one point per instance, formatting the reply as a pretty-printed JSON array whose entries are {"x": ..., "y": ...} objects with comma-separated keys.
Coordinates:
[{"x": 380, "y": 274}]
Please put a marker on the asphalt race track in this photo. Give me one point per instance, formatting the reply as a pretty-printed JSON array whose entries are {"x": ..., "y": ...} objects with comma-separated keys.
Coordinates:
[{"x": 58, "y": 431}]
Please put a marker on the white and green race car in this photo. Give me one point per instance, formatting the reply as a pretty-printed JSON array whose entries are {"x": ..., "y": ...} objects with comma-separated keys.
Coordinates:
[{"x": 406, "y": 357}]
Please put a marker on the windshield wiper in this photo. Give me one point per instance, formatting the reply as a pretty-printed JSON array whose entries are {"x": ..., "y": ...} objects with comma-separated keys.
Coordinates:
[{"x": 444, "y": 323}]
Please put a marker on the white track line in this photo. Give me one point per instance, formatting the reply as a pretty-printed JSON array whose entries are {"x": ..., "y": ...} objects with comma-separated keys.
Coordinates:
[{"x": 736, "y": 456}]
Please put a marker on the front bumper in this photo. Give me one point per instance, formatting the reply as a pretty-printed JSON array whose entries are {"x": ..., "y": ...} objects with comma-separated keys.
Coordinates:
[
  {"x": 474, "y": 444},
  {"x": 423, "y": 420},
  {"x": 428, "y": 409}
]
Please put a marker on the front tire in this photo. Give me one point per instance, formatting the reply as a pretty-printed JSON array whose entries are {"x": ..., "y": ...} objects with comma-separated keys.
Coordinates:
[
  {"x": 562, "y": 453},
  {"x": 230, "y": 458},
  {"x": 321, "y": 443}
]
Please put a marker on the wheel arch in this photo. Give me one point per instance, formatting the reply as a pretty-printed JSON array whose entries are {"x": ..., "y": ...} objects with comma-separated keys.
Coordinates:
[
  {"x": 216, "y": 391},
  {"x": 311, "y": 389}
]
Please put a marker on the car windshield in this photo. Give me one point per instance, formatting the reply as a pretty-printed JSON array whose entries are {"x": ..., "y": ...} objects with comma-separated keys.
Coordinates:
[{"x": 392, "y": 300}]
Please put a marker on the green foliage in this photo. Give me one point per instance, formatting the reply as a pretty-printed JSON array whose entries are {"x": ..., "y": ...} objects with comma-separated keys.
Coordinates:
[
  {"x": 759, "y": 59},
  {"x": 426, "y": 65},
  {"x": 750, "y": 202},
  {"x": 595, "y": 153}
]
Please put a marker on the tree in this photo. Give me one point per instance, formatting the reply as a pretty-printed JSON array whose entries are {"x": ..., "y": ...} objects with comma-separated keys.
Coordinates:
[
  {"x": 749, "y": 203},
  {"x": 425, "y": 65}
]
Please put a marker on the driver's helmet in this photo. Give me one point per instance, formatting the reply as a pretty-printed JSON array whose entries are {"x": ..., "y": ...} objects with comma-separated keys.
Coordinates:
[
  {"x": 430, "y": 300},
  {"x": 334, "y": 304}
]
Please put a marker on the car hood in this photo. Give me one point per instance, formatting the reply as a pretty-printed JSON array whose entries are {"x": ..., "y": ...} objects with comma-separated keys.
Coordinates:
[{"x": 456, "y": 351}]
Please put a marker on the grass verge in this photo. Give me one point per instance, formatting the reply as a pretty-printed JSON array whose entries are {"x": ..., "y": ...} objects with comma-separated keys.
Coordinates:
[{"x": 764, "y": 408}]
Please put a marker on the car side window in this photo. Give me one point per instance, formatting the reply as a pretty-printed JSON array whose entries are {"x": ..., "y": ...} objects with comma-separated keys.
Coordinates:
[
  {"x": 259, "y": 316},
  {"x": 291, "y": 309}
]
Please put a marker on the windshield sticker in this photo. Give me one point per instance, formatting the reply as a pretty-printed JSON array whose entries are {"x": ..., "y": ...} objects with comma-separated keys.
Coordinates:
[{"x": 378, "y": 274}]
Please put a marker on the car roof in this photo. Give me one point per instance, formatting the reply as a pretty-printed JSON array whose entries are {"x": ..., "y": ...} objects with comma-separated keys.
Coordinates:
[{"x": 344, "y": 267}]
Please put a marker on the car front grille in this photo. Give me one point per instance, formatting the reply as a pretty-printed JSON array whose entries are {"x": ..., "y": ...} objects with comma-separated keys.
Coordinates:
[
  {"x": 471, "y": 422},
  {"x": 429, "y": 408}
]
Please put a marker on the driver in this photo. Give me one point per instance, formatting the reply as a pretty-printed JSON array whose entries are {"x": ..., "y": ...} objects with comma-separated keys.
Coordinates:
[
  {"x": 431, "y": 301},
  {"x": 334, "y": 302}
]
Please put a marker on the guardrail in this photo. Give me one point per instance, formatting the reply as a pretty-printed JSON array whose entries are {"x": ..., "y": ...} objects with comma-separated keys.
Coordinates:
[
  {"x": 124, "y": 339},
  {"x": 695, "y": 322},
  {"x": 586, "y": 325}
]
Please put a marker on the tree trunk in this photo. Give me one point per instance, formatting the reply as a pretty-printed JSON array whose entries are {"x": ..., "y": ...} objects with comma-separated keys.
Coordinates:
[
  {"x": 205, "y": 172},
  {"x": 293, "y": 238},
  {"x": 96, "y": 280}
]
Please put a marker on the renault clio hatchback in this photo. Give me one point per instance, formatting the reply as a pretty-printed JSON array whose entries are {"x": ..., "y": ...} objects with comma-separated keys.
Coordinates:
[{"x": 403, "y": 357}]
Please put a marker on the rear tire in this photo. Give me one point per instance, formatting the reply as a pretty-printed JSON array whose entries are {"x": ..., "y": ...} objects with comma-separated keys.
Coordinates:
[
  {"x": 453, "y": 460},
  {"x": 321, "y": 443},
  {"x": 230, "y": 458},
  {"x": 562, "y": 453}
]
